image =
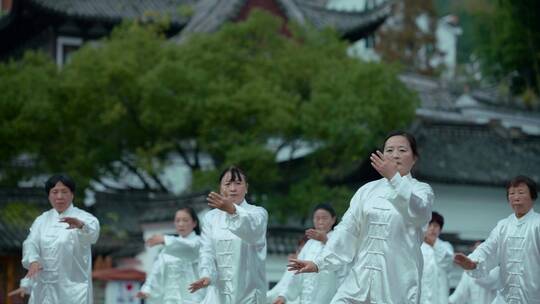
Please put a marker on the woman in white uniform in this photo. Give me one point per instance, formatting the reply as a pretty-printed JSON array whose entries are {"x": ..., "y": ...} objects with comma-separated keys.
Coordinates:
[
  {"x": 514, "y": 246},
  {"x": 177, "y": 264},
  {"x": 381, "y": 232},
  {"x": 233, "y": 252},
  {"x": 438, "y": 259},
  {"x": 286, "y": 278},
  {"x": 57, "y": 252},
  {"x": 314, "y": 288}
]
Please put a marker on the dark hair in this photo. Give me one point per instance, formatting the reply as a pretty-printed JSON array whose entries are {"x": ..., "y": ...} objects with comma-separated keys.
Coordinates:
[
  {"x": 193, "y": 215},
  {"x": 410, "y": 138},
  {"x": 522, "y": 179},
  {"x": 236, "y": 174},
  {"x": 329, "y": 208},
  {"x": 436, "y": 217},
  {"x": 63, "y": 178}
]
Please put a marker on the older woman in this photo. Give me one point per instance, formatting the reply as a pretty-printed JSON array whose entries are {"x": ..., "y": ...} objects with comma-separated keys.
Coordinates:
[
  {"x": 514, "y": 246},
  {"x": 57, "y": 252},
  {"x": 381, "y": 232},
  {"x": 233, "y": 252}
]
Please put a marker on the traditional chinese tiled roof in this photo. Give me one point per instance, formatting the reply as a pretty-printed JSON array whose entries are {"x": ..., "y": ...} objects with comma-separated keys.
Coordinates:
[
  {"x": 211, "y": 14},
  {"x": 352, "y": 25},
  {"x": 176, "y": 10},
  {"x": 469, "y": 140},
  {"x": 475, "y": 153}
]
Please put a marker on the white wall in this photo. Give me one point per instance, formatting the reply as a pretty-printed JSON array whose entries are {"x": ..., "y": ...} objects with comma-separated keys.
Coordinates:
[{"x": 470, "y": 211}]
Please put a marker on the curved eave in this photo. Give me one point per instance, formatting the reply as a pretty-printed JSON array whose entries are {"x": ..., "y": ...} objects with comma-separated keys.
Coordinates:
[
  {"x": 210, "y": 16},
  {"x": 352, "y": 25},
  {"x": 114, "y": 11}
]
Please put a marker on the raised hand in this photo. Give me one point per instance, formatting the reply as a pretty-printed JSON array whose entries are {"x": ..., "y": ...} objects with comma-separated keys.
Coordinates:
[
  {"x": 316, "y": 235},
  {"x": 300, "y": 266},
  {"x": 386, "y": 167},
  {"x": 21, "y": 291},
  {"x": 200, "y": 283},
  {"x": 155, "y": 239},
  {"x": 216, "y": 200},
  {"x": 33, "y": 270},
  {"x": 73, "y": 222},
  {"x": 279, "y": 300},
  {"x": 463, "y": 261},
  {"x": 142, "y": 295}
]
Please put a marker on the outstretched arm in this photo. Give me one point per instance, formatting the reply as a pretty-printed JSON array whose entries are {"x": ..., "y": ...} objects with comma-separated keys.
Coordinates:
[{"x": 302, "y": 266}]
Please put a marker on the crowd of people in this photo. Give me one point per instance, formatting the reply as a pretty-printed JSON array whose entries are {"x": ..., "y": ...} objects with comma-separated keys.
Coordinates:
[{"x": 385, "y": 249}]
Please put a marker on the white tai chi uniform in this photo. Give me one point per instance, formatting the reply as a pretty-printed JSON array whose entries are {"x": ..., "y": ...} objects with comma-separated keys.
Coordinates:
[
  {"x": 233, "y": 255},
  {"x": 476, "y": 291},
  {"x": 514, "y": 245},
  {"x": 312, "y": 288},
  {"x": 381, "y": 232},
  {"x": 64, "y": 254},
  {"x": 173, "y": 271},
  {"x": 437, "y": 262},
  {"x": 280, "y": 288}
]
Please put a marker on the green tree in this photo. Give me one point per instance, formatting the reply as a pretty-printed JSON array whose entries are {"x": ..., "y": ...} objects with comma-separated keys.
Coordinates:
[
  {"x": 508, "y": 44},
  {"x": 408, "y": 36},
  {"x": 245, "y": 95},
  {"x": 27, "y": 116}
]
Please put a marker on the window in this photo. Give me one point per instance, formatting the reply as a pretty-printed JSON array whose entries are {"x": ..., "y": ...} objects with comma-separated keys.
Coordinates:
[{"x": 65, "y": 46}]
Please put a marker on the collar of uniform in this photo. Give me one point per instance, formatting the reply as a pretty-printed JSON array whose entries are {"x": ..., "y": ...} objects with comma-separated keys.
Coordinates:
[
  {"x": 242, "y": 204},
  {"x": 408, "y": 176},
  {"x": 66, "y": 212},
  {"x": 398, "y": 176},
  {"x": 524, "y": 218}
]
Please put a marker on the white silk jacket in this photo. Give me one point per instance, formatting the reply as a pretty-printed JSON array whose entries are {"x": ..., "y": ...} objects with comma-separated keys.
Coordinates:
[
  {"x": 514, "y": 245},
  {"x": 438, "y": 260},
  {"x": 233, "y": 255},
  {"x": 280, "y": 288},
  {"x": 64, "y": 254},
  {"x": 476, "y": 291},
  {"x": 312, "y": 288},
  {"x": 381, "y": 234},
  {"x": 174, "y": 270}
]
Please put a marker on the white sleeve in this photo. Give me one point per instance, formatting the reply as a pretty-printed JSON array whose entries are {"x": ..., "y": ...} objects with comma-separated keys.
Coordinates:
[
  {"x": 444, "y": 254},
  {"x": 153, "y": 285},
  {"x": 184, "y": 246},
  {"x": 27, "y": 284},
  {"x": 292, "y": 291},
  {"x": 279, "y": 288},
  {"x": 462, "y": 293},
  {"x": 342, "y": 245},
  {"x": 207, "y": 262},
  {"x": 414, "y": 202},
  {"x": 486, "y": 255},
  {"x": 294, "y": 287},
  {"x": 491, "y": 281},
  {"x": 89, "y": 233},
  {"x": 249, "y": 225},
  {"x": 31, "y": 249}
]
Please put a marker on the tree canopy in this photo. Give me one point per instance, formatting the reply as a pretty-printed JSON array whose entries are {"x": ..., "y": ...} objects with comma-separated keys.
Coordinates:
[
  {"x": 508, "y": 43},
  {"x": 294, "y": 111}
]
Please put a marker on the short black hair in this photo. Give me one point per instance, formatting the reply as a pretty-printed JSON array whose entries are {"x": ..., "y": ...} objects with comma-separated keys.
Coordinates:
[
  {"x": 236, "y": 174},
  {"x": 329, "y": 208},
  {"x": 436, "y": 217},
  {"x": 61, "y": 177},
  {"x": 193, "y": 215},
  {"x": 522, "y": 179},
  {"x": 410, "y": 138}
]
